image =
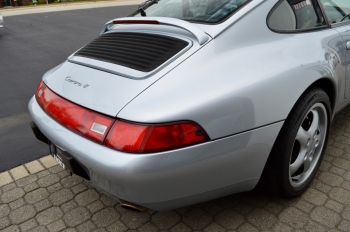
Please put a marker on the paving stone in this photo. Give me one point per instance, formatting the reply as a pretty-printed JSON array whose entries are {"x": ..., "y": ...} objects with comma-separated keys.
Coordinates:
[
  {"x": 304, "y": 206},
  {"x": 212, "y": 208},
  {"x": 48, "y": 180},
  {"x": 69, "y": 206},
  {"x": 105, "y": 217},
  {"x": 39, "y": 229},
  {"x": 340, "y": 195},
  {"x": 97, "y": 205},
  {"x": 262, "y": 219},
  {"x": 8, "y": 187},
  {"x": 42, "y": 205},
  {"x": 117, "y": 226},
  {"x": 71, "y": 181},
  {"x": 333, "y": 205},
  {"x": 4, "y": 210},
  {"x": 331, "y": 179},
  {"x": 134, "y": 220},
  {"x": 28, "y": 225},
  {"x": 63, "y": 174},
  {"x": 79, "y": 188},
  {"x": 148, "y": 227},
  {"x": 333, "y": 151},
  {"x": 87, "y": 227},
  {"x": 294, "y": 217},
  {"x": 315, "y": 227},
  {"x": 198, "y": 219},
  {"x": 61, "y": 196},
  {"x": 12, "y": 195},
  {"x": 165, "y": 220},
  {"x": 107, "y": 201},
  {"x": 55, "y": 187},
  {"x": 87, "y": 197},
  {"x": 280, "y": 227},
  {"x": 11, "y": 229},
  {"x": 16, "y": 204},
  {"x": 325, "y": 166},
  {"x": 326, "y": 217},
  {"x": 34, "y": 167},
  {"x": 180, "y": 227},
  {"x": 56, "y": 226},
  {"x": 36, "y": 195},
  {"x": 43, "y": 173},
  {"x": 346, "y": 214},
  {"x": 315, "y": 197},
  {"x": 5, "y": 178},
  {"x": 342, "y": 163},
  {"x": 229, "y": 219},
  {"x": 322, "y": 187},
  {"x": 76, "y": 216},
  {"x": 4, "y": 222},
  {"x": 56, "y": 169},
  {"x": 343, "y": 225},
  {"x": 48, "y": 161},
  {"x": 22, "y": 214},
  {"x": 31, "y": 187},
  {"x": 49, "y": 215},
  {"x": 71, "y": 230},
  {"x": 273, "y": 207},
  {"x": 19, "y": 172},
  {"x": 246, "y": 227},
  {"x": 214, "y": 227},
  {"x": 26, "y": 180},
  {"x": 346, "y": 176},
  {"x": 337, "y": 171}
]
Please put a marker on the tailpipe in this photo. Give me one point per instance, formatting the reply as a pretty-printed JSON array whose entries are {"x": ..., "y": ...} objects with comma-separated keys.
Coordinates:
[{"x": 133, "y": 207}]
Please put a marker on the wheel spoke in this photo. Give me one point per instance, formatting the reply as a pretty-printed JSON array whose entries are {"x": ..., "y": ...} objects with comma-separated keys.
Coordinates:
[
  {"x": 298, "y": 162},
  {"x": 303, "y": 137},
  {"x": 307, "y": 164},
  {"x": 315, "y": 121}
]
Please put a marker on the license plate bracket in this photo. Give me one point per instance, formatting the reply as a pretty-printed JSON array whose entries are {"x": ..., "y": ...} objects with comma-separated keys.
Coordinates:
[{"x": 67, "y": 161}]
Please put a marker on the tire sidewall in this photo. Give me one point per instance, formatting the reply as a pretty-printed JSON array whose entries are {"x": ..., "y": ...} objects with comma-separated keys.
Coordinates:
[{"x": 312, "y": 97}]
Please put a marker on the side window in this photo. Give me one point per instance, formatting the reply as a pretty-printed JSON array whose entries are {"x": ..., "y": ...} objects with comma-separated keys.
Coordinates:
[
  {"x": 336, "y": 10},
  {"x": 292, "y": 15}
]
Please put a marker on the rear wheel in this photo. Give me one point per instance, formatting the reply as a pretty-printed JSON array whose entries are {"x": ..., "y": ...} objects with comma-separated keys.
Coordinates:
[{"x": 300, "y": 145}]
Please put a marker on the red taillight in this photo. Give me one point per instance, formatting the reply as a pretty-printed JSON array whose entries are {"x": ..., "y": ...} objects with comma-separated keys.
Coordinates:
[
  {"x": 143, "y": 138},
  {"x": 83, "y": 121},
  {"x": 117, "y": 134}
]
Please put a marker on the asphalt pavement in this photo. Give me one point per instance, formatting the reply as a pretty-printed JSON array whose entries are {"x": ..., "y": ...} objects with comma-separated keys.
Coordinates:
[{"x": 30, "y": 45}]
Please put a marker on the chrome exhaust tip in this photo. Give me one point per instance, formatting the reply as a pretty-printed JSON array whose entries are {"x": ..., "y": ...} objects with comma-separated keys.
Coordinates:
[{"x": 133, "y": 207}]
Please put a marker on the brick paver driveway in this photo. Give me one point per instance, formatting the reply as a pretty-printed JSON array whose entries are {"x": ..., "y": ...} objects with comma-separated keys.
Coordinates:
[{"x": 39, "y": 196}]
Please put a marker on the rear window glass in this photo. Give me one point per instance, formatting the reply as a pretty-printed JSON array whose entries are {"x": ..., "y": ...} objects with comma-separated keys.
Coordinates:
[
  {"x": 296, "y": 15},
  {"x": 205, "y": 11}
]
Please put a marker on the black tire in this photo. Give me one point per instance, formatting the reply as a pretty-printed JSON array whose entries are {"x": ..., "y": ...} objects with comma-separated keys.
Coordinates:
[{"x": 292, "y": 145}]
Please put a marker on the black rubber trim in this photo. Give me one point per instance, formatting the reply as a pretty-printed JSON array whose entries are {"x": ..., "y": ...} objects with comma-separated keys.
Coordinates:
[
  {"x": 38, "y": 134},
  {"x": 140, "y": 51}
]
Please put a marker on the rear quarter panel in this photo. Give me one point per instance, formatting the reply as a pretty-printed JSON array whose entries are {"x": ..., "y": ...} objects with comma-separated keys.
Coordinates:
[{"x": 246, "y": 77}]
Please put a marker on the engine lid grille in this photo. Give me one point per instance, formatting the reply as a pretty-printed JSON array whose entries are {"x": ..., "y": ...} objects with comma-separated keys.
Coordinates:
[{"x": 139, "y": 51}]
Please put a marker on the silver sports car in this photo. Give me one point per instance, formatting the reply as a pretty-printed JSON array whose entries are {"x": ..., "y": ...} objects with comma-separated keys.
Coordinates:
[{"x": 189, "y": 100}]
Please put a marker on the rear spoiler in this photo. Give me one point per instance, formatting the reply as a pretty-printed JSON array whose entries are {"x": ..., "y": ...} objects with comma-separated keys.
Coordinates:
[{"x": 200, "y": 35}]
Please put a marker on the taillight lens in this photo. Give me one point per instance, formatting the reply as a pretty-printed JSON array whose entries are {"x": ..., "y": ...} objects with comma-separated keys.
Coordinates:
[
  {"x": 145, "y": 138},
  {"x": 85, "y": 122},
  {"x": 117, "y": 134}
]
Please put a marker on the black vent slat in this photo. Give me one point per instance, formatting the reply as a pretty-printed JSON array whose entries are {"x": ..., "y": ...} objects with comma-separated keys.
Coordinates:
[{"x": 139, "y": 51}]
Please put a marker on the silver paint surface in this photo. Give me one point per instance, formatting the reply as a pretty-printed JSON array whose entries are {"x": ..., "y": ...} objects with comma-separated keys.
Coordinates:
[{"x": 239, "y": 85}]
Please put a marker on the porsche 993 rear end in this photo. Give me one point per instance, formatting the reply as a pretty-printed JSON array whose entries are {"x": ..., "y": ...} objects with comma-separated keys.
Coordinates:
[{"x": 159, "y": 161}]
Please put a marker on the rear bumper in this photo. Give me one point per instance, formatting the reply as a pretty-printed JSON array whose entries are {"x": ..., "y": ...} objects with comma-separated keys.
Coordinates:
[{"x": 172, "y": 179}]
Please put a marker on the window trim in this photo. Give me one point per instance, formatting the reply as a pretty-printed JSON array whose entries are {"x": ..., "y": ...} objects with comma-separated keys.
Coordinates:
[{"x": 297, "y": 31}]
